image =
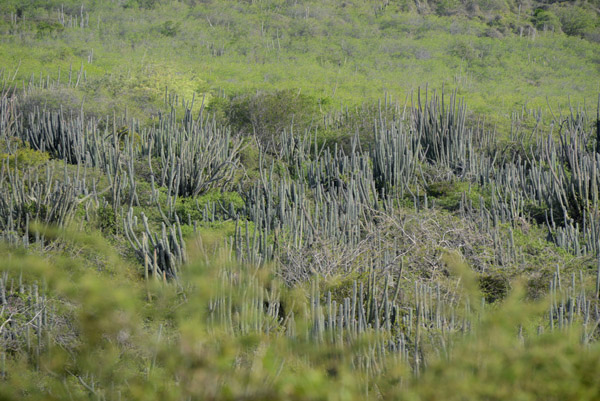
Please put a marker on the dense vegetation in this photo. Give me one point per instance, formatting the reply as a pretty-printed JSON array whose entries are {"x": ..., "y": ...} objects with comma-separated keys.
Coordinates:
[
  {"x": 299, "y": 200},
  {"x": 503, "y": 55}
]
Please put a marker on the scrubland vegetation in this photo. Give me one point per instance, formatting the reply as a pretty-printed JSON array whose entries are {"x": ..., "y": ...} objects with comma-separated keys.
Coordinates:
[{"x": 211, "y": 200}]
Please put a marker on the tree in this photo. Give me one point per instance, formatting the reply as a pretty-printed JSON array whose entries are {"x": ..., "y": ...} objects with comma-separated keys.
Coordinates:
[
  {"x": 546, "y": 20},
  {"x": 576, "y": 21}
]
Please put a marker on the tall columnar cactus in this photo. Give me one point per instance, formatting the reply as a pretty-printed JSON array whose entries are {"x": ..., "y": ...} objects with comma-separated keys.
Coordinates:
[
  {"x": 57, "y": 134},
  {"x": 161, "y": 253},
  {"x": 195, "y": 156},
  {"x": 30, "y": 196},
  {"x": 10, "y": 123},
  {"x": 395, "y": 155},
  {"x": 441, "y": 131}
]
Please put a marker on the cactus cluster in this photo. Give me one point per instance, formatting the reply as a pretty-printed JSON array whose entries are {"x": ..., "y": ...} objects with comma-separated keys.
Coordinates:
[
  {"x": 31, "y": 195},
  {"x": 383, "y": 318},
  {"x": 35, "y": 317},
  {"x": 365, "y": 214},
  {"x": 195, "y": 155},
  {"x": 162, "y": 254}
]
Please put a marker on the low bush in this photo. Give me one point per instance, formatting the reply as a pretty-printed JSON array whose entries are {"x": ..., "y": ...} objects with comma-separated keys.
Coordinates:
[{"x": 267, "y": 113}]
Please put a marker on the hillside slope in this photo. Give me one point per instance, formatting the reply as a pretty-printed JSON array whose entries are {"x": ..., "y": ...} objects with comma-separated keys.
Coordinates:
[{"x": 219, "y": 200}]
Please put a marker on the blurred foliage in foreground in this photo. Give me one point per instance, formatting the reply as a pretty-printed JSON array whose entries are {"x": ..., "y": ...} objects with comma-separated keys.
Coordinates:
[{"x": 146, "y": 340}]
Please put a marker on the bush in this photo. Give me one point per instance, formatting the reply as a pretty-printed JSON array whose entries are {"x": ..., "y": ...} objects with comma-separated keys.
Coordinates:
[
  {"x": 448, "y": 7},
  {"x": 494, "y": 287},
  {"x": 48, "y": 28},
  {"x": 576, "y": 21},
  {"x": 169, "y": 28},
  {"x": 267, "y": 114},
  {"x": 147, "y": 4},
  {"x": 63, "y": 99},
  {"x": 463, "y": 50},
  {"x": 106, "y": 220},
  {"x": 546, "y": 20},
  {"x": 26, "y": 158}
]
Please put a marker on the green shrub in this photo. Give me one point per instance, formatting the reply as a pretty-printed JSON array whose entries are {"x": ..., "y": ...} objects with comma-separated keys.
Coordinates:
[
  {"x": 463, "y": 50},
  {"x": 576, "y": 21},
  {"x": 48, "y": 28},
  {"x": 218, "y": 107},
  {"x": 26, "y": 158},
  {"x": 546, "y": 20},
  {"x": 448, "y": 7},
  {"x": 448, "y": 194},
  {"x": 250, "y": 157},
  {"x": 494, "y": 287},
  {"x": 106, "y": 220},
  {"x": 146, "y": 4},
  {"x": 169, "y": 28},
  {"x": 51, "y": 100},
  {"x": 267, "y": 114},
  {"x": 194, "y": 207}
]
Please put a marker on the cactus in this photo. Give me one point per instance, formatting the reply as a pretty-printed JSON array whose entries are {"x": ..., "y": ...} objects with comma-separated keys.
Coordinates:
[
  {"x": 162, "y": 255},
  {"x": 195, "y": 155},
  {"x": 28, "y": 196}
]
